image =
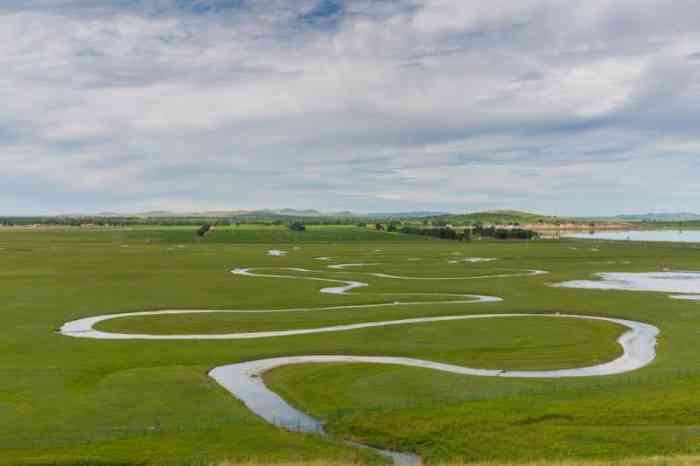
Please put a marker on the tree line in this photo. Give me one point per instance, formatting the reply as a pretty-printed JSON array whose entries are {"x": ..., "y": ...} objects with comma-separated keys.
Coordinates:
[{"x": 471, "y": 233}]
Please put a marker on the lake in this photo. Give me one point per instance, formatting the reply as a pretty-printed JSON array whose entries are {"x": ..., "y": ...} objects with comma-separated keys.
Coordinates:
[{"x": 686, "y": 236}]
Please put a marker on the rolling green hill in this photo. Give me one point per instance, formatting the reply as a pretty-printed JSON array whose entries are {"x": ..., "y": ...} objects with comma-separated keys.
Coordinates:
[{"x": 501, "y": 216}]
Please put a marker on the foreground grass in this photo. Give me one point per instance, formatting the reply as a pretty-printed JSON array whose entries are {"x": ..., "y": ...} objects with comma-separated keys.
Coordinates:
[
  {"x": 653, "y": 461},
  {"x": 67, "y": 401}
]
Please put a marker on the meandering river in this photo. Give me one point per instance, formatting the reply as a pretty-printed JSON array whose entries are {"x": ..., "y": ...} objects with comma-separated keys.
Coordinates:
[{"x": 245, "y": 381}]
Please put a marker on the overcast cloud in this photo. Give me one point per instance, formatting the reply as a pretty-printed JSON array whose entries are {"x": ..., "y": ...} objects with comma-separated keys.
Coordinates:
[{"x": 554, "y": 106}]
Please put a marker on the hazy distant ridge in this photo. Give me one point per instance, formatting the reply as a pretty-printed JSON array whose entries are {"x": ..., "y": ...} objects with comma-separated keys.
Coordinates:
[
  {"x": 250, "y": 213},
  {"x": 501, "y": 216}
]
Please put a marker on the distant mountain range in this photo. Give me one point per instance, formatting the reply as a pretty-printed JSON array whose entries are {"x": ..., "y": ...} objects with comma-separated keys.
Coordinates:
[
  {"x": 499, "y": 216},
  {"x": 409, "y": 214},
  {"x": 264, "y": 213}
]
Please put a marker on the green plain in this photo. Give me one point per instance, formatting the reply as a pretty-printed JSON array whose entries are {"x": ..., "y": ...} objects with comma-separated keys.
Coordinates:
[{"x": 65, "y": 400}]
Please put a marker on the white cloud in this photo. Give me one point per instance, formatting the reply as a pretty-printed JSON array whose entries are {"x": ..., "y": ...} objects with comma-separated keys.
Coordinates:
[{"x": 545, "y": 105}]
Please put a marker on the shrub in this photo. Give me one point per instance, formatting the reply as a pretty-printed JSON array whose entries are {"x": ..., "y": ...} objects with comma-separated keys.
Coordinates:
[
  {"x": 297, "y": 226},
  {"x": 204, "y": 229}
]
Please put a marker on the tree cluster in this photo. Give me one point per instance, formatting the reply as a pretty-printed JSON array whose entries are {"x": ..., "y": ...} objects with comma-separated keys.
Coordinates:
[
  {"x": 441, "y": 232},
  {"x": 504, "y": 233},
  {"x": 468, "y": 234},
  {"x": 297, "y": 226},
  {"x": 204, "y": 229}
]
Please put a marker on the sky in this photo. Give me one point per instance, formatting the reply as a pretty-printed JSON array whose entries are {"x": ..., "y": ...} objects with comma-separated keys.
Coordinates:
[{"x": 558, "y": 107}]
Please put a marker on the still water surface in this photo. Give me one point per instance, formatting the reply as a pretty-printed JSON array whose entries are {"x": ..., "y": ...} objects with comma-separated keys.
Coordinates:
[{"x": 687, "y": 236}]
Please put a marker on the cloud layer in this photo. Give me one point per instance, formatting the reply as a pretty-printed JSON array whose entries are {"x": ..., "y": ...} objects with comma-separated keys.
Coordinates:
[{"x": 556, "y": 106}]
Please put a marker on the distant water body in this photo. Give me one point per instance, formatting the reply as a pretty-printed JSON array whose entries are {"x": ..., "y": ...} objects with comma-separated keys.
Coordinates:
[{"x": 686, "y": 236}]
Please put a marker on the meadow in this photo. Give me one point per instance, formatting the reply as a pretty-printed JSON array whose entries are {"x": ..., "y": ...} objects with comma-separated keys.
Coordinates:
[{"x": 67, "y": 401}]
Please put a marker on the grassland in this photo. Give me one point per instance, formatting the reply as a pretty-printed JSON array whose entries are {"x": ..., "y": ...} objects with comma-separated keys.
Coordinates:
[
  {"x": 649, "y": 461},
  {"x": 65, "y": 400}
]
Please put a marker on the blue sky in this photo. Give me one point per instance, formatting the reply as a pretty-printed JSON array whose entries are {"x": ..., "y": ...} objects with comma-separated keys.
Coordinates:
[{"x": 553, "y": 106}]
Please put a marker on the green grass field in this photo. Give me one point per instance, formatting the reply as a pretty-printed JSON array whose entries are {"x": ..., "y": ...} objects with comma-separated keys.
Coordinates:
[{"x": 67, "y": 401}]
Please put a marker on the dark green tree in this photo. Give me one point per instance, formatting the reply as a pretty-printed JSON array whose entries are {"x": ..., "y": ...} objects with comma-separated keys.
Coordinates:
[{"x": 204, "y": 229}]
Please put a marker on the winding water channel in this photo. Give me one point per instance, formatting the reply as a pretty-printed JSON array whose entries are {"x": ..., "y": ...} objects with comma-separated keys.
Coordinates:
[{"x": 245, "y": 381}]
